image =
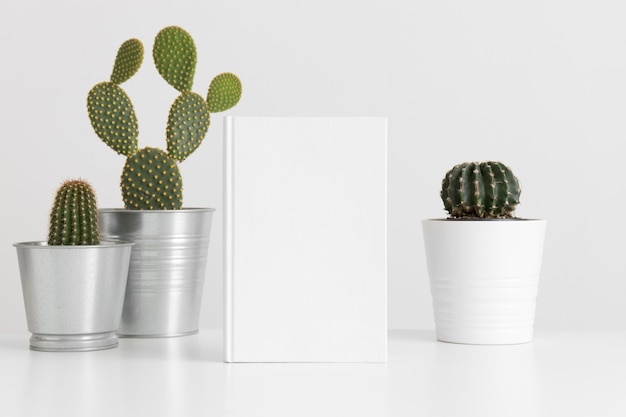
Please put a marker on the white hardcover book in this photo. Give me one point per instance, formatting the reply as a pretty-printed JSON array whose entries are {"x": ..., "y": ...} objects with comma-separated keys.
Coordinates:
[{"x": 305, "y": 239}]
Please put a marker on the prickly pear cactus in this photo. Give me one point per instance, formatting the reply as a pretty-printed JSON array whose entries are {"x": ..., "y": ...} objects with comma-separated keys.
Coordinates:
[
  {"x": 187, "y": 125},
  {"x": 480, "y": 190},
  {"x": 128, "y": 60},
  {"x": 224, "y": 92},
  {"x": 113, "y": 117},
  {"x": 174, "y": 54},
  {"x": 74, "y": 215},
  {"x": 151, "y": 181}
]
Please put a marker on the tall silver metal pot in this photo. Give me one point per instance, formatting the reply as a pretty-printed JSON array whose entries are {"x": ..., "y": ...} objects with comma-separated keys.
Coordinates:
[
  {"x": 167, "y": 268},
  {"x": 73, "y": 295}
]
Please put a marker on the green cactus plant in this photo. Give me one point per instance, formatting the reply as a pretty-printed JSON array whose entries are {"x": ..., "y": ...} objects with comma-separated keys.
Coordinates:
[
  {"x": 175, "y": 56},
  {"x": 224, "y": 92},
  {"x": 151, "y": 181},
  {"x": 187, "y": 125},
  {"x": 486, "y": 190},
  {"x": 151, "y": 178},
  {"x": 128, "y": 61},
  {"x": 113, "y": 117},
  {"x": 74, "y": 215}
]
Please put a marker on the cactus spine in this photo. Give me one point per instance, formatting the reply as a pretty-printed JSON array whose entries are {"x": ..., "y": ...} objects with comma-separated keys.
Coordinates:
[
  {"x": 486, "y": 190},
  {"x": 74, "y": 215},
  {"x": 151, "y": 179}
]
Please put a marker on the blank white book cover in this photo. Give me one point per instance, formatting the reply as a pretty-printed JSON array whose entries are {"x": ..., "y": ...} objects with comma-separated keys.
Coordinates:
[{"x": 305, "y": 239}]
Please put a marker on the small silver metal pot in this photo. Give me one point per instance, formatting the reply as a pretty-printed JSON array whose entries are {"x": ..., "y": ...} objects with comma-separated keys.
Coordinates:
[
  {"x": 167, "y": 268},
  {"x": 73, "y": 295}
]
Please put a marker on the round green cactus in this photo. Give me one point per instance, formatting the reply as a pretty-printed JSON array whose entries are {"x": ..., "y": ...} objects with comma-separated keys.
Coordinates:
[
  {"x": 187, "y": 125},
  {"x": 174, "y": 54},
  {"x": 480, "y": 190},
  {"x": 113, "y": 117},
  {"x": 128, "y": 60},
  {"x": 74, "y": 215},
  {"x": 151, "y": 180},
  {"x": 224, "y": 92}
]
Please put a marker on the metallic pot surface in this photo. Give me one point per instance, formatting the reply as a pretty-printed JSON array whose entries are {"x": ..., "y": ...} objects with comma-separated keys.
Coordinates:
[
  {"x": 167, "y": 268},
  {"x": 73, "y": 295}
]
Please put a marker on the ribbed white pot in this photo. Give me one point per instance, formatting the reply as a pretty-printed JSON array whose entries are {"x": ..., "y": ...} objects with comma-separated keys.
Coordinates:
[{"x": 484, "y": 276}]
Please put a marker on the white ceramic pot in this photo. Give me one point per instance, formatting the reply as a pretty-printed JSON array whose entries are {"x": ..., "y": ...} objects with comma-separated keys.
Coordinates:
[{"x": 484, "y": 276}]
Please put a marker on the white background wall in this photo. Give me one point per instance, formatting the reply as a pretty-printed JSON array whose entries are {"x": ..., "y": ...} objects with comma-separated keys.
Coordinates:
[{"x": 539, "y": 85}]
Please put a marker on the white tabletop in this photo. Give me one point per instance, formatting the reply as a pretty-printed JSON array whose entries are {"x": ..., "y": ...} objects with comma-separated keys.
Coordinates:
[{"x": 558, "y": 374}]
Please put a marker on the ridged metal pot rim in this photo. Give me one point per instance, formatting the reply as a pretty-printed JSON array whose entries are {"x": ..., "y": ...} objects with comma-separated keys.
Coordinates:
[
  {"x": 184, "y": 209},
  {"x": 106, "y": 243}
]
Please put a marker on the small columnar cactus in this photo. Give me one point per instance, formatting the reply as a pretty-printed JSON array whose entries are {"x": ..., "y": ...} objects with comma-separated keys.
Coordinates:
[
  {"x": 151, "y": 178},
  {"x": 486, "y": 190},
  {"x": 74, "y": 215}
]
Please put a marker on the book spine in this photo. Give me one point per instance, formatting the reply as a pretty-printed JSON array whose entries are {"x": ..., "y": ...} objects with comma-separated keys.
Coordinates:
[{"x": 228, "y": 237}]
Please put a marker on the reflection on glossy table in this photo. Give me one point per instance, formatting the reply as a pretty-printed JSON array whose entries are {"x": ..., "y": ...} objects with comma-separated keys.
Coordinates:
[{"x": 558, "y": 374}]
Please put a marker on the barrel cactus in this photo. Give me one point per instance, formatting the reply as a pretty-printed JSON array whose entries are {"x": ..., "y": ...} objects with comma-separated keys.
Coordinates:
[
  {"x": 74, "y": 215},
  {"x": 485, "y": 190},
  {"x": 151, "y": 177}
]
